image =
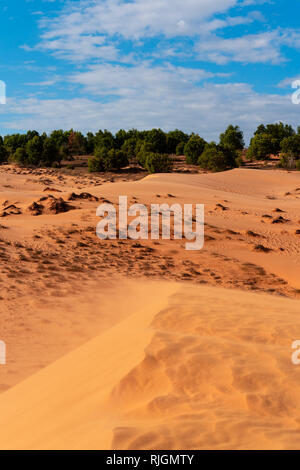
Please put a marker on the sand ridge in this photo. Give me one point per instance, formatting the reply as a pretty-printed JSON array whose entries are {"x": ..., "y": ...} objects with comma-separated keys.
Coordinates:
[
  {"x": 192, "y": 369},
  {"x": 56, "y": 276}
]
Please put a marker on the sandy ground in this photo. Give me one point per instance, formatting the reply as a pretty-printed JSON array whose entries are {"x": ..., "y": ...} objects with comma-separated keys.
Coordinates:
[{"x": 126, "y": 345}]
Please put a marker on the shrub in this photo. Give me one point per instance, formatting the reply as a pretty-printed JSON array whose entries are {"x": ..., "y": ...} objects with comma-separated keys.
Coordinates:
[
  {"x": 158, "y": 163},
  {"x": 143, "y": 149},
  {"x": 180, "y": 148},
  {"x": 3, "y": 154},
  {"x": 291, "y": 146},
  {"x": 194, "y": 148},
  {"x": 50, "y": 153},
  {"x": 20, "y": 156},
  {"x": 157, "y": 138},
  {"x": 107, "y": 160},
  {"x": 232, "y": 138},
  {"x": 34, "y": 150},
  {"x": 213, "y": 158},
  {"x": 261, "y": 147}
]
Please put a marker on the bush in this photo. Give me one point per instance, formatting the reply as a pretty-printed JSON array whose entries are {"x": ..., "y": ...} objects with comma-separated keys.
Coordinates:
[
  {"x": 143, "y": 150},
  {"x": 288, "y": 162},
  {"x": 180, "y": 148},
  {"x": 50, "y": 153},
  {"x": 261, "y": 147},
  {"x": 34, "y": 150},
  {"x": 194, "y": 148},
  {"x": 158, "y": 163},
  {"x": 3, "y": 154},
  {"x": 20, "y": 156},
  {"x": 232, "y": 138},
  {"x": 291, "y": 146},
  {"x": 213, "y": 158},
  {"x": 107, "y": 160}
]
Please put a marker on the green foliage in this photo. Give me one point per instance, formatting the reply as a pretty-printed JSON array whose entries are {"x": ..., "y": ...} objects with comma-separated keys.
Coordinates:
[
  {"x": 20, "y": 156},
  {"x": 158, "y": 163},
  {"x": 194, "y": 148},
  {"x": 213, "y": 158},
  {"x": 3, "y": 152},
  {"x": 291, "y": 146},
  {"x": 261, "y": 147},
  {"x": 277, "y": 133},
  {"x": 143, "y": 149},
  {"x": 107, "y": 160},
  {"x": 50, "y": 154},
  {"x": 180, "y": 148},
  {"x": 157, "y": 138},
  {"x": 34, "y": 150},
  {"x": 175, "y": 138},
  {"x": 129, "y": 148},
  {"x": 232, "y": 138}
]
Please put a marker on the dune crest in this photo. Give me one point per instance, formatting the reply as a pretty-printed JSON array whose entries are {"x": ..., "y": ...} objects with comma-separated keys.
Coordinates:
[{"x": 191, "y": 367}]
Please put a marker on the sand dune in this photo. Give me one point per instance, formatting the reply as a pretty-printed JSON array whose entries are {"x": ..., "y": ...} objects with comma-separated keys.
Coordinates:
[
  {"x": 106, "y": 350},
  {"x": 191, "y": 368}
]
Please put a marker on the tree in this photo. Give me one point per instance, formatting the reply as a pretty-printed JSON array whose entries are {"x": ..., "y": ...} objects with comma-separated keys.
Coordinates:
[
  {"x": 180, "y": 148},
  {"x": 50, "y": 154},
  {"x": 158, "y": 163},
  {"x": 107, "y": 160},
  {"x": 261, "y": 147},
  {"x": 34, "y": 150},
  {"x": 213, "y": 158},
  {"x": 232, "y": 138},
  {"x": 291, "y": 146},
  {"x": 20, "y": 156},
  {"x": 158, "y": 139},
  {"x": 277, "y": 131},
  {"x": 174, "y": 138},
  {"x": 3, "y": 153},
  {"x": 129, "y": 148},
  {"x": 194, "y": 148},
  {"x": 143, "y": 149}
]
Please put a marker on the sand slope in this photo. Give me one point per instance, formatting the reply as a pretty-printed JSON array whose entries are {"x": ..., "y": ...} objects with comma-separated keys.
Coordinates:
[{"x": 190, "y": 367}]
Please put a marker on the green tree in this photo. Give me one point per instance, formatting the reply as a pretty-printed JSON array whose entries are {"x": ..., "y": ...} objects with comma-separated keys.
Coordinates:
[
  {"x": 158, "y": 139},
  {"x": 34, "y": 150},
  {"x": 261, "y": 147},
  {"x": 20, "y": 156},
  {"x": 213, "y": 158},
  {"x": 50, "y": 154},
  {"x": 232, "y": 138},
  {"x": 180, "y": 148},
  {"x": 291, "y": 146},
  {"x": 194, "y": 148},
  {"x": 158, "y": 163}
]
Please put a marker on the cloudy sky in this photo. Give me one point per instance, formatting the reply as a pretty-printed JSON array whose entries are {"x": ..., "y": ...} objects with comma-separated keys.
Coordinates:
[{"x": 197, "y": 65}]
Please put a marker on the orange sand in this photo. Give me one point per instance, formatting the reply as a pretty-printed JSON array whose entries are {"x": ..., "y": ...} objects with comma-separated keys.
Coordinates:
[{"x": 105, "y": 350}]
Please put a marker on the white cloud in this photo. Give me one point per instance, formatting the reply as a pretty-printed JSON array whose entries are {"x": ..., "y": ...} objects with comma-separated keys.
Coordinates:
[
  {"x": 254, "y": 48},
  {"x": 135, "y": 19},
  {"x": 176, "y": 101}
]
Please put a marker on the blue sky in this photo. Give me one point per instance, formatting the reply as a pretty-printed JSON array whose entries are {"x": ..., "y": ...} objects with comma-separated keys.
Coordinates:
[{"x": 197, "y": 65}]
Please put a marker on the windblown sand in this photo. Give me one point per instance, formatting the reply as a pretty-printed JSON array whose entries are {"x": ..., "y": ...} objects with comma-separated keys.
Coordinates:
[{"x": 125, "y": 345}]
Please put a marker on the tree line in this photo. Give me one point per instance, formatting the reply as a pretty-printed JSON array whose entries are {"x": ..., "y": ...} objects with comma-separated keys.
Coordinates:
[{"x": 152, "y": 149}]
